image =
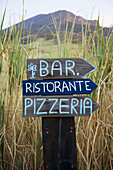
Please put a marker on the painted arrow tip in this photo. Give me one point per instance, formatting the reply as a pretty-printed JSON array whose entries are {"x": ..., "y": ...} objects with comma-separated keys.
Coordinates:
[
  {"x": 95, "y": 106},
  {"x": 94, "y": 68}
]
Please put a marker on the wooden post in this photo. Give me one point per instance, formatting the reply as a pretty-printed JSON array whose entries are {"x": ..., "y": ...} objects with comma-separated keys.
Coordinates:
[
  {"x": 59, "y": 143},
  {"x": 53, "y": 77}
]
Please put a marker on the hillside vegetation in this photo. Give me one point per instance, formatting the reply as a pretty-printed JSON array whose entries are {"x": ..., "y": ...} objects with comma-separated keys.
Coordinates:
[{"x": 43, "y": 25}]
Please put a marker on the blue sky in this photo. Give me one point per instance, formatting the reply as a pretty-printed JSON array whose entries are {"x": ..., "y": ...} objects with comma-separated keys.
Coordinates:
[{"x": 89, "y": 9}]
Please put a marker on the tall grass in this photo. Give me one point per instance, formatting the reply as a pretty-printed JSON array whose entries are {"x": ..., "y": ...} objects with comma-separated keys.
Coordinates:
[
  {"x": 20, "y": 138},
  {"x": 95, "y": 133}
]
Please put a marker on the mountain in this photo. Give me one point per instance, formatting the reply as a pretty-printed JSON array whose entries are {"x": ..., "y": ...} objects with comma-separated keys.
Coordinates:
[
  {"x": 63, "y": 14},
  {"x": 44, "y": 24},
  {"x": 38, "y": 21}
]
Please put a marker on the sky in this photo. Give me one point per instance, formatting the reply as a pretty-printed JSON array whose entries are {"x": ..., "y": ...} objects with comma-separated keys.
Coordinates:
[{"x": 88, "y": 9}]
